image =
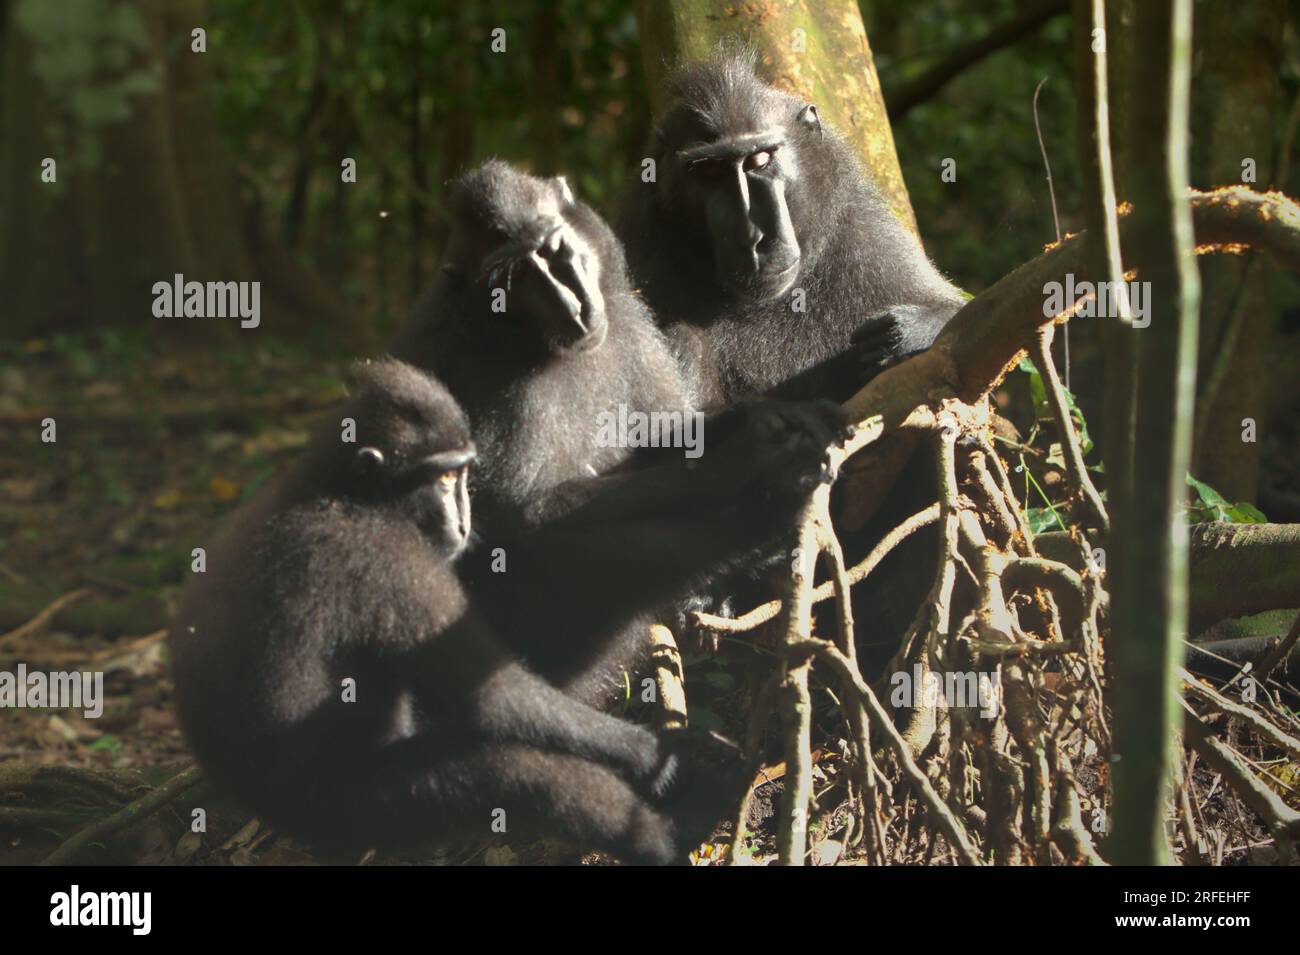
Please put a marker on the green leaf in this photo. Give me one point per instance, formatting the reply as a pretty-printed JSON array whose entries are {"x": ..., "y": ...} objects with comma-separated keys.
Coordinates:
[
  {"x": 1207, "y": 495},
  {"x": 1213, "y": 506},
  {"x": 1244, "y": 513},
  {"x": 1040, "y": 519}
]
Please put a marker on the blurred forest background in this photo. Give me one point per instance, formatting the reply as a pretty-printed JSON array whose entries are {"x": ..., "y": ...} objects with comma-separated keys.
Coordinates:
[{"x": 226, "y": 166}]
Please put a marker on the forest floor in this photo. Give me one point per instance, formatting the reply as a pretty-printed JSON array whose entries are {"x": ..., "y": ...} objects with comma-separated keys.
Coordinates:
[{"x": 152, "y": 449}]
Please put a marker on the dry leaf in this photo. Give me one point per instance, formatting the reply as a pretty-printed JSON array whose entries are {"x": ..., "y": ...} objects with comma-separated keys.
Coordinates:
[
  {"x": 167, "y": 499},
  {"x": 224, "y": 490}
]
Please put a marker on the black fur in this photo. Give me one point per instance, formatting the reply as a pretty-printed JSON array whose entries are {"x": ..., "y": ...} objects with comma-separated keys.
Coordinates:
[
  {"x": 712, "y": 261},
  {"x": 860, "y": 271},
  {"x": 570, "y": 345},
  {"x": 533, "y": 394},
  {"x": 344, "y": 569}
]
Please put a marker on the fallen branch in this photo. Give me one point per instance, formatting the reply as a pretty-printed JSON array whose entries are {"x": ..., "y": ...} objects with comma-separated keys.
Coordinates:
[
  {"x": 1283, "y": 821},
  {"x": 125, "y": 817},
  {"x": 1219, "y": 702},
  {"x": 38, "y": 623},
  {"x": 1239, "y": 569}
]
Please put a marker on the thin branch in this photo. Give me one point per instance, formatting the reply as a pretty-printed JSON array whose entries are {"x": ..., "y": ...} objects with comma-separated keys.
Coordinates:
[
  {"x": 858, "y": 573},
  {"x": 1060, "y": 579},
  {"x": 1076, "y": 470},
  {"x": 127, "y": 816},
  {"x": 1280, "y": 652},
  {"x": 796, "y": 714},
  {"x": 1222, "y": 704},
  {"x": 948, "y": 823},
  {"x": 909, "y": 95},
  {"x": 1282, "y": 820},
  {"x": 38, "y": 623}
]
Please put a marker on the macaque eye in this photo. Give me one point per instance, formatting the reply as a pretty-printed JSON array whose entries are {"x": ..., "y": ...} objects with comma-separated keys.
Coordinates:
[
  {"x": 757, "y": 160},
  {"x": 447, "y": 480},
  {"x": 370, "y": 459}
]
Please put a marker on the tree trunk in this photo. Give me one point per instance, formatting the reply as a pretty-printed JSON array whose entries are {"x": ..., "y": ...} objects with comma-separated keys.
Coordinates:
[
  {"x": 1147, "y": 562},
  {"x": 815, "y": 48},
  {"x": 1238, "y": 107},
  {"x": 145, "y": 188}
]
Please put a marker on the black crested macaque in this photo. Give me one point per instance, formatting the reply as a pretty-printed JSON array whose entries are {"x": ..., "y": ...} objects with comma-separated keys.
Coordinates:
[
  {"x": 777, "y": 268},
  {"x": 333, "y": 675},
  {"x": 772, "y": 262},
  {"x": 535, "y": 329}
]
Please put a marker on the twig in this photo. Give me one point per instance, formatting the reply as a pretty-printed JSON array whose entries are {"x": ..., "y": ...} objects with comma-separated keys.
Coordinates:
[
  {"x": 127, "y": 816},
  {"x": 858, "y": 573},
  {"x": 1283, "y": 821},
  {"x": 1056, "y": 218},
  {"x": 1186, "y": 819},
  {"x": 1075, "y": 468},
  {"x": 1280, "y": 652},
  {"x": 859, "y": 722},
  {"x": 909, "y": 95},
  {"x": 42, "y": 619},
  {"x": 1056, "y": 578},
  {"x": 1224, "y": 705},
  {"x": 951, "y": 826}
]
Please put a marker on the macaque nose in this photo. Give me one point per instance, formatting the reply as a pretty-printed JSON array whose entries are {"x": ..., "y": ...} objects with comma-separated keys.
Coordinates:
[{"x": 754, "y": 244}]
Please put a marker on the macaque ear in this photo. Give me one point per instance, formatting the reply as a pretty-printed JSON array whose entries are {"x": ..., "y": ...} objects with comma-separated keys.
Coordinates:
[
  {"x": 357, "y": 373},
  {"x": 455, "y": 273},
  {"x": 566, "y": 194}
]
